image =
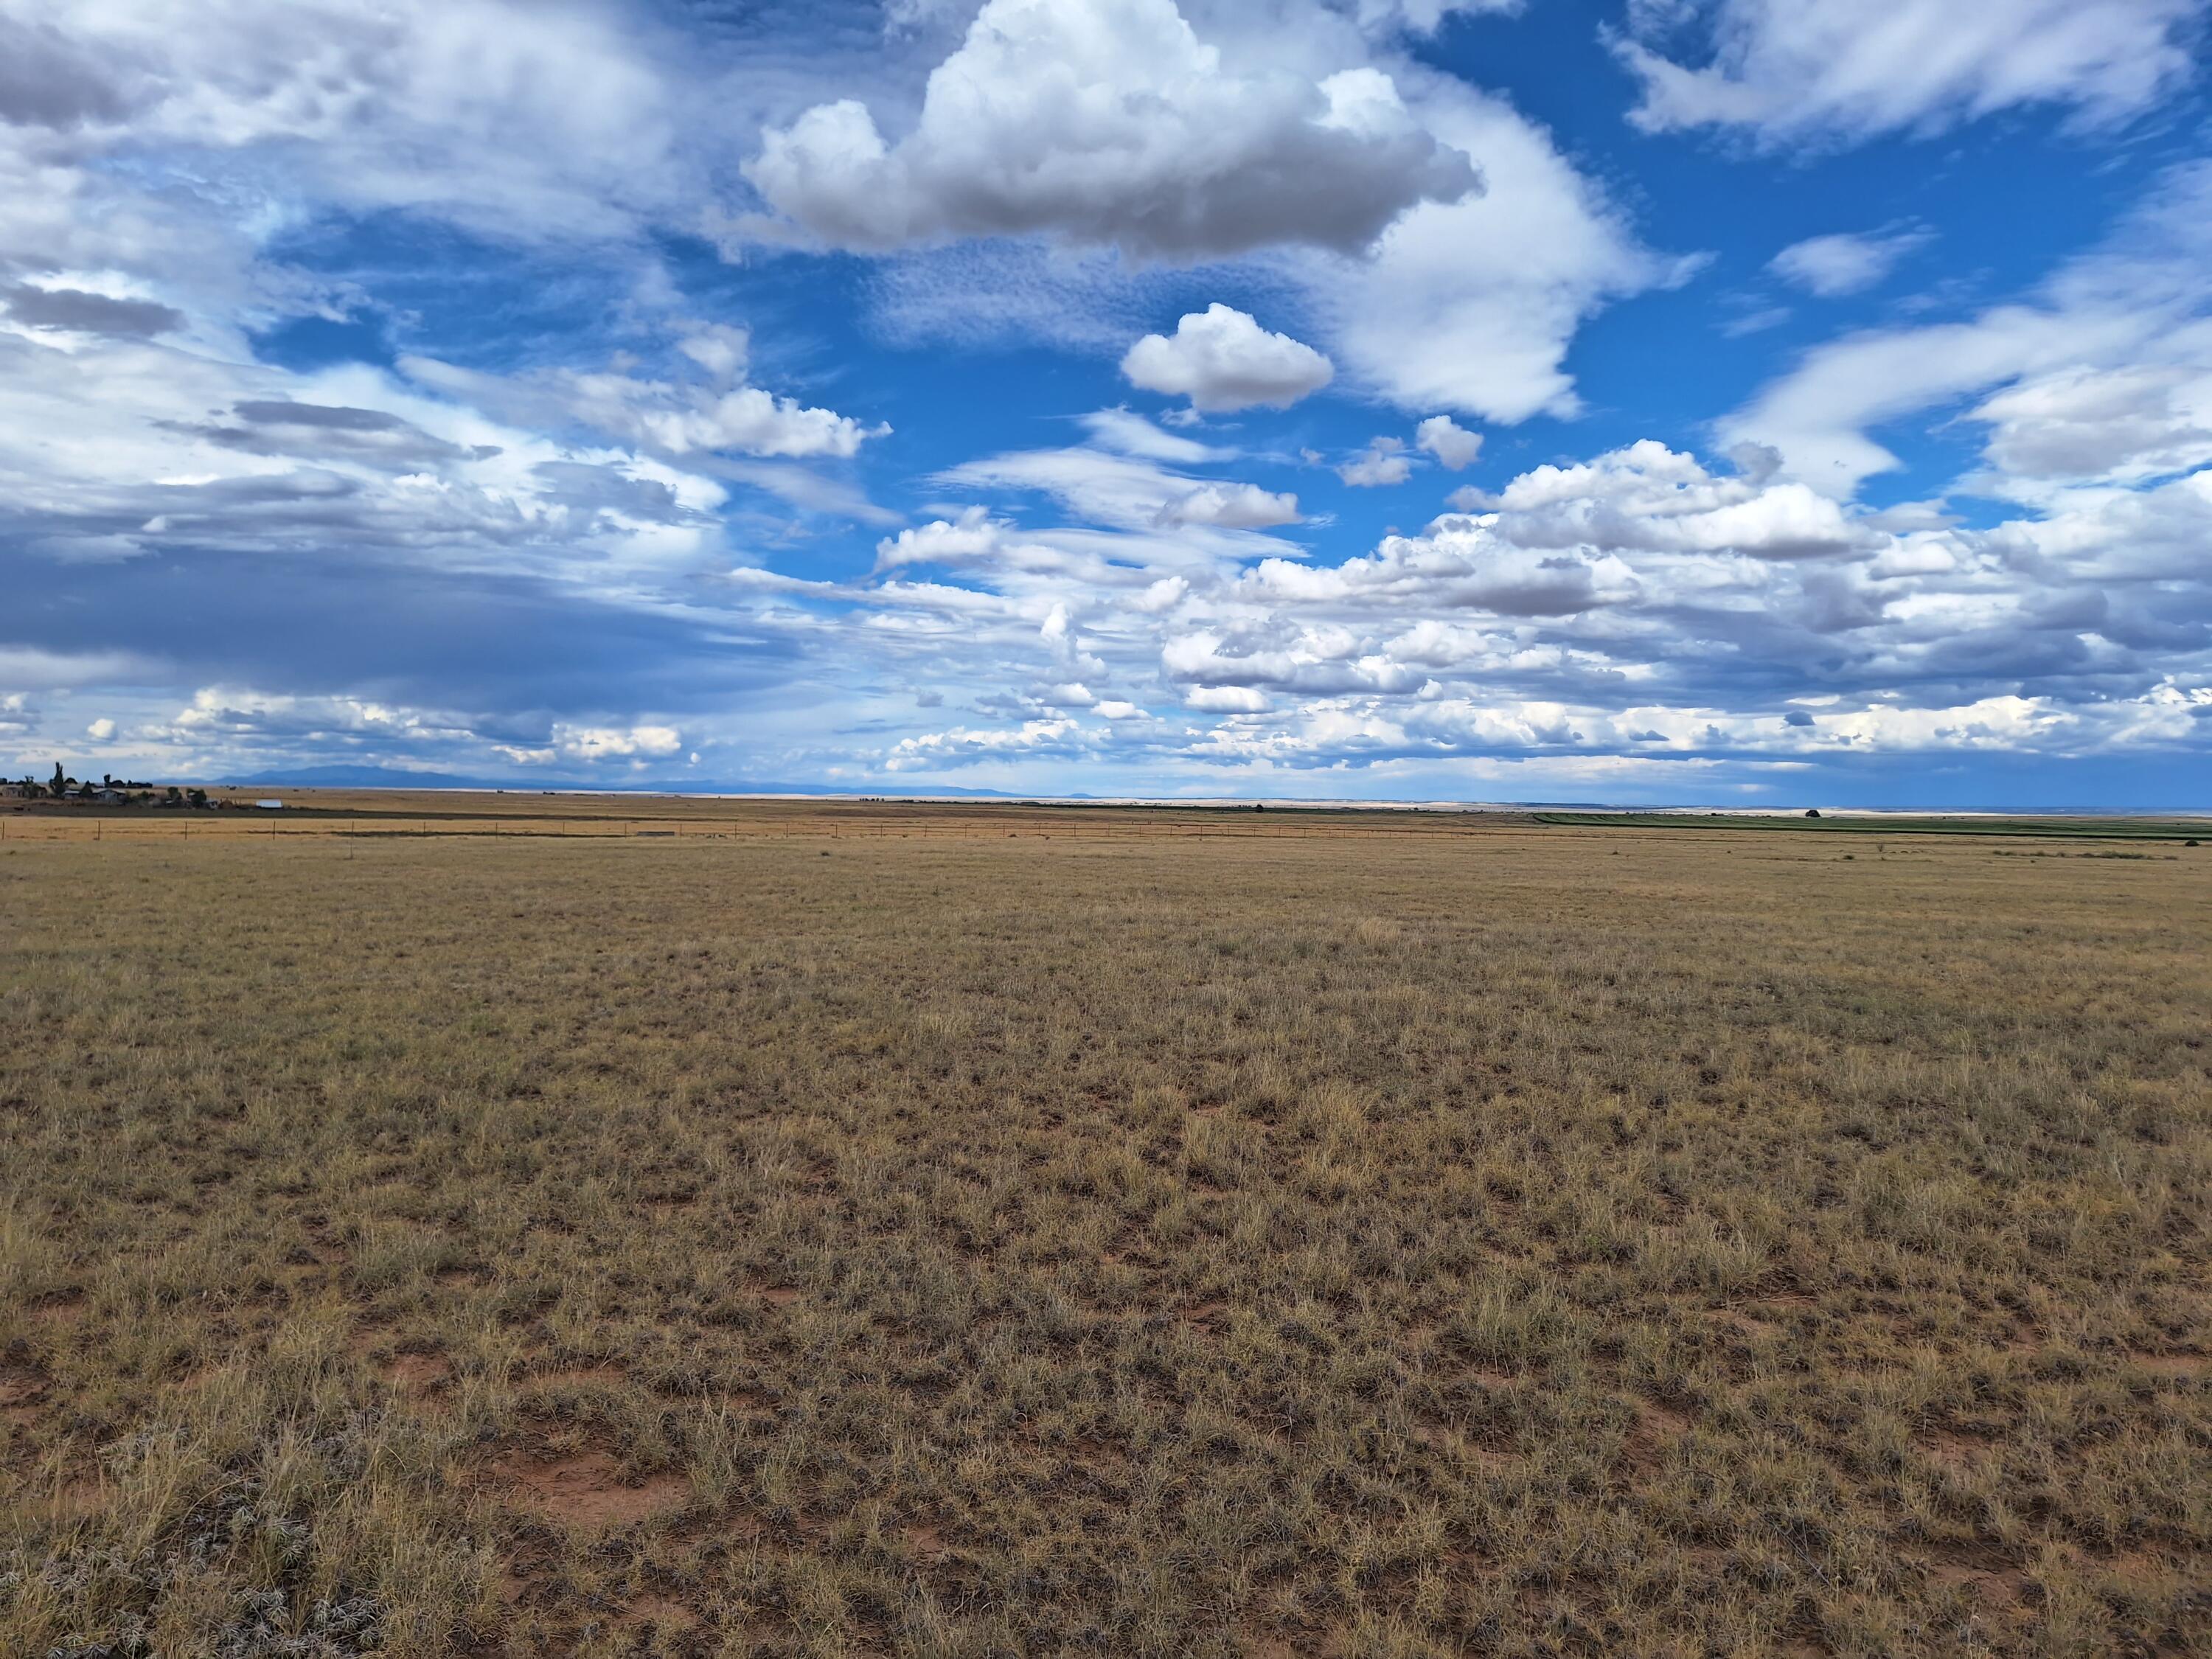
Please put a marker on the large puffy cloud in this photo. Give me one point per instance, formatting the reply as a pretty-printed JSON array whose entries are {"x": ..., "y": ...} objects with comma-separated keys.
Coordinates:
[
  {"x": 1110, "y": 121},
  {"x": 1648, "y": 496},
  {"x": 1469, "y": 307},
  {"x": 1793, "y": 70},
  {"x": 1222, "y": 361}
]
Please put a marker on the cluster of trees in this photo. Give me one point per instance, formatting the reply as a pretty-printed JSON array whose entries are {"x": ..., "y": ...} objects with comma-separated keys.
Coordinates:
[{"x": 62, "y": 787}]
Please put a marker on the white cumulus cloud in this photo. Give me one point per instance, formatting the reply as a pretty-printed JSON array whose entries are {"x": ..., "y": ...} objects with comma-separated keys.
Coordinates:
[
  {"x": 1470, "y": 306},
  {"x": 1453, "y": 445},
  {"x": 1222, "y": 359},
  {"x": 1232, "y": 507},
  {"x": 592, "y": 743},
  {"x": 673, "y": 418},
  {"x": 1110, "y": 121},
  {"x": 1382, "y": 463}
]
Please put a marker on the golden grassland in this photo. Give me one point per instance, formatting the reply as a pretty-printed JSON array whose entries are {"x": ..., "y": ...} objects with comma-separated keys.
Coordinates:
[
  {"x": 369, "y": 814},
  {"x": 844, "y": 1230}
]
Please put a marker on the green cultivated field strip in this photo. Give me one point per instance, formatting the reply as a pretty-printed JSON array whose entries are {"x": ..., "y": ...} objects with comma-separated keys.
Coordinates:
[{"x": 2160, "y": 830}]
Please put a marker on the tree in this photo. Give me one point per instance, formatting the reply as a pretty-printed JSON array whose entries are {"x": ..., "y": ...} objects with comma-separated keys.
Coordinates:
[
  {"x": 198, "y": 798},
  {"x": 59, "y": 787}
]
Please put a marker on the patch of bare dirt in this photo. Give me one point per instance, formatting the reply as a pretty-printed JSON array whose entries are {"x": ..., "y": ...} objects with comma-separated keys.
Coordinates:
[
  {"x": 1657, "y": 1428},
  {"x": 1955, "y": 1450},
  {"x": 1491, "y": 1377},
  {"x": 419, "y": 1374},
  {"x": 1978, "y": 1572},
  {"x": 1747, "y": 1324},
  {"x": 1208, "y": 1318},
  {"x": 22, "y": 1393},
  {"x": 587, "y": 1489},
  {"x": 59, "y": 1308},
  {"x": 663, "y": 1613}
]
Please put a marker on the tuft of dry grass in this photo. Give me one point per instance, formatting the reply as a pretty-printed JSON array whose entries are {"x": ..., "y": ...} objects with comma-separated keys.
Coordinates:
[{"x": 1021, "y": 1233}]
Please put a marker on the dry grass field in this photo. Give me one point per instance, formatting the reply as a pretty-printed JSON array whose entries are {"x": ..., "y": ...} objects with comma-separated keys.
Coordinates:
[{"x": 870, "y": 1231}]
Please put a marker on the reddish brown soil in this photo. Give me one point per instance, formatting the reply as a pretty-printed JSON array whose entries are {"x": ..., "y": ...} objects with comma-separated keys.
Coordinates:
[{"x": 587, "y": 1489}]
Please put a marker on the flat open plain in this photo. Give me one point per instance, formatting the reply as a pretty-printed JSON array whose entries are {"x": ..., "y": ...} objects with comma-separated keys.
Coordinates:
[{"x": 510, "y": 1225}]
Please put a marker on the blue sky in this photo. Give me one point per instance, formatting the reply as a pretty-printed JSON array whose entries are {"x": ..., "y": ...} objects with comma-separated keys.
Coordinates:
[{"x": 1760, "y": 402}]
